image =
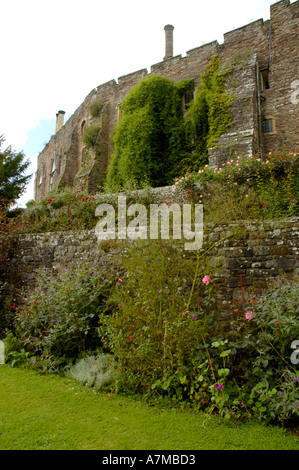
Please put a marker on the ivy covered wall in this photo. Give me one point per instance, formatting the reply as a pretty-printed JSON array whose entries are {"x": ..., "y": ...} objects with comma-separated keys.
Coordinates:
[{"x": 167, "y": 128}]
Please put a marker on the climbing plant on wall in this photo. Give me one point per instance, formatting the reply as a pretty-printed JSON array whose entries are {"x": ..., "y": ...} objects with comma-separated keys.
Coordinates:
[
  {"x": 209, "y": 114},
  {"x": 159, "y": 136},
  {"x": 144, "y": 140}
]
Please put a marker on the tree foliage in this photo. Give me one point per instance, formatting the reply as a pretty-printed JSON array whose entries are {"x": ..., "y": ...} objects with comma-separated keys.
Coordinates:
[{"x": 13, "y": 178}]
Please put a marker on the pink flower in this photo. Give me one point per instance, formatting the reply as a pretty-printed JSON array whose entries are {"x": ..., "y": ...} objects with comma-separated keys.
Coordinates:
[
  {"x": 249, "y": 315},
  {"x": 206, "y": 279},
  {"x": 219, "y": 386}
]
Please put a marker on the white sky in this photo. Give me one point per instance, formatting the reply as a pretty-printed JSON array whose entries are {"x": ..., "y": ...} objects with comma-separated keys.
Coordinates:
[{"x": 53, "y": 53}]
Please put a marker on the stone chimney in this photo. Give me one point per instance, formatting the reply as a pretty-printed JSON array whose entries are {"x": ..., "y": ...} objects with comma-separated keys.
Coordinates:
[
  {"x": 59, "y": 120},
  {"x": 168, "y": 41}
]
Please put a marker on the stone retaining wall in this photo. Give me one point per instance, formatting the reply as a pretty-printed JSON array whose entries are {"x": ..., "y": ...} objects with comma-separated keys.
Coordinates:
[{"x": 254, "y": 251}]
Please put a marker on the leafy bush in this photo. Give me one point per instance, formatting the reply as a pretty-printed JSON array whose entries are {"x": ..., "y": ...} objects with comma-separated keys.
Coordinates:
[
  {"x": 169, "y": 342},
  {"x": 11, "y": 343},
  {"x": 276, "y": 321},
  {"x": 10, "y": 226},
  {"x": 262, "y": 365},
  {"x": 75, "y": 210},
  {"x": 91, "y": 136},
  {"x": 63, "y": 210},
  {"x": 246, "y": 187},
  {"x": 96, "y": 108},
  {"x": 60, "y": 316},
  {"x": 94, "y": 371},
  {"x": 160, "y": 323}
]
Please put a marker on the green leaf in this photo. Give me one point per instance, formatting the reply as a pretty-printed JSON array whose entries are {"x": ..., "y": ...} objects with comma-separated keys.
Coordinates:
[
  {"x": 225, "y": 353},
  {"x": 223, "y": 372}
]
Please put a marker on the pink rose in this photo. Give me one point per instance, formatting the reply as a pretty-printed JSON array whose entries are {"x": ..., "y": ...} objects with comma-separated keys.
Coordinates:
[
  {"x": 206, "y": 279},
  {"x": 249, "y": 315}
]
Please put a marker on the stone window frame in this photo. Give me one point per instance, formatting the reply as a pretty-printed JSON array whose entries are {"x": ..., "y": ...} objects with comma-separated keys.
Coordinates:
[{"x": 273, "y": 125}]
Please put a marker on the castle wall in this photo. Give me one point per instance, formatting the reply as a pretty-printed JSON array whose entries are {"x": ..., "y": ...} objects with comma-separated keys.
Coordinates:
[
  {"x": 271, "y": 48},
  {"x": 284, "y": 69}
]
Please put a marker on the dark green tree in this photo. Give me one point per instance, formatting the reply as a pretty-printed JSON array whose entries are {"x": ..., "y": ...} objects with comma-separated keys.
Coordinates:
[{"x": 13, "y": 178}]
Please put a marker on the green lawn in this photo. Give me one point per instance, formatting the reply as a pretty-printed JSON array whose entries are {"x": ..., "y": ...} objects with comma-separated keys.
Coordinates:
[{"x": 47, "y": 412}]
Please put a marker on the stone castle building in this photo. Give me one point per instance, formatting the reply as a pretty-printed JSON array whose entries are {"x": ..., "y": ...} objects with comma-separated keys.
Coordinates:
[{"x": 263, "y": 62}]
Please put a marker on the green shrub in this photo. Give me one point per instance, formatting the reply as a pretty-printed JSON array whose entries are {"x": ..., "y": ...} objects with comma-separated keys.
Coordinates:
[
  {"x": 168, "y": 341},
  {"x": 91, "y": 136},
  {"x": 276, "y": 322},
  {"x": 11, "y": 343},
  {"x": 60, "y": 316},
  {"x": 63, "y": 210},
  {"x": 262, "y": 363},
  {"x": 246, "y": 188},
  {"x": 96, "y": 108},
  {"x": 161, "y": 323}
]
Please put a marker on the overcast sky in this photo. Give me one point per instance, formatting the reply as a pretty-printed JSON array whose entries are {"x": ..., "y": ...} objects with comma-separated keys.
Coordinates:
[{"x": 53, "y": 53}]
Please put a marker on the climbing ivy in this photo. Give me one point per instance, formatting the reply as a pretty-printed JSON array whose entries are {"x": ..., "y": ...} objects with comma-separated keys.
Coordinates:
[
  {"x": 160, "y": 135},
  {"x": 145, "y": 146},
  {"x": 209, "y": 114}
]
